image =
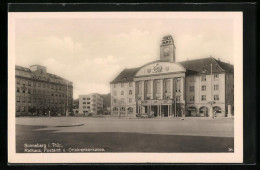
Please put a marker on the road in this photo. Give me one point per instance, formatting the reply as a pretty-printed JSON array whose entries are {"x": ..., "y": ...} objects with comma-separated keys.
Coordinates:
[{"x": 129, "y": 135}]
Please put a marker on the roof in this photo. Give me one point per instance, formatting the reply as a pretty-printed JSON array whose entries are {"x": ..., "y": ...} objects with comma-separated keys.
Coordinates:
[
  {"x": 126, "y": 75},
  {"x": 31, "y": 72},
  {"x": 203, "y": 66},
  {"x": 226, "y": 66},
  {"x": 193, "y": 67},
  {"x": 22, "y": 68}
]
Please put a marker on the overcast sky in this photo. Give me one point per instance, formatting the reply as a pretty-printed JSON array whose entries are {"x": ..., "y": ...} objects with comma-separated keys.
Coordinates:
[{"x": 91, "y": 51}]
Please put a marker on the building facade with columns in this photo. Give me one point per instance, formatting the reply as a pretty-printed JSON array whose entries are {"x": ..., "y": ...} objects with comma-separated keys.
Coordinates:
[
  {"x": 40, "y": 93},
  {"x": 165, "y": 88}
]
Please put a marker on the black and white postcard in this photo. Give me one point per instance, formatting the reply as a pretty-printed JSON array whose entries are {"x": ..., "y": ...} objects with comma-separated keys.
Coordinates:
[{"x": 125, "y": 87}]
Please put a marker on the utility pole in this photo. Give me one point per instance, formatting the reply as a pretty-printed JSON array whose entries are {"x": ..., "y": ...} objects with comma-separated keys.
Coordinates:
[{"x": 67, "y": 111}]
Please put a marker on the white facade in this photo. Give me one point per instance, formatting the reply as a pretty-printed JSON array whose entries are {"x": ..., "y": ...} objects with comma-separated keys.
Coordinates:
[
  {"x": 123, "y": 99},
  {"x": 165, "y": 88},
  {"x": 91, "y": 104}
]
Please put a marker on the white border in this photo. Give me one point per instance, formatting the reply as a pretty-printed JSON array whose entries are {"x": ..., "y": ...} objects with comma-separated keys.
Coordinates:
[{"x": 236, "y": 157}]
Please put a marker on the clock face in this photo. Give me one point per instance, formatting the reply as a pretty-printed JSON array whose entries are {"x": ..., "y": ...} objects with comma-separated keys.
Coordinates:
[{"x": 166, "y": 49}]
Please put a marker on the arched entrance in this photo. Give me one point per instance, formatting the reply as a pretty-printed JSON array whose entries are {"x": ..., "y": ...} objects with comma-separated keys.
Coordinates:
[
  {"x": 130, "y": 111},
  {"x": 192, "y": 112},
  {"x": 217, "y": 111},
  {"x": 122, "y": 111},
  {"x": 115, "y": 111},
  {"x": 203, "y": 112}
]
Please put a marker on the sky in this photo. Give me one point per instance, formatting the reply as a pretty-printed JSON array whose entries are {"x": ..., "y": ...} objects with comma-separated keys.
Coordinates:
[{"x": 91, "y": 51}]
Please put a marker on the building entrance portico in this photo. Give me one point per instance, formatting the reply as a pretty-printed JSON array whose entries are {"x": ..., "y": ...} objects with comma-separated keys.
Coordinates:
[{"x": 155, "y": 108}]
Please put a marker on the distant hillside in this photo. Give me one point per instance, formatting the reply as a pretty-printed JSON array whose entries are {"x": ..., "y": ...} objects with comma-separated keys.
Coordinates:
[{"x": 106, "y": 99}]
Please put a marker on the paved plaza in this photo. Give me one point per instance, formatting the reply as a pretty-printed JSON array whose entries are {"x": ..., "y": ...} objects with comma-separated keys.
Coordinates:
[{"x": 128, "y": 135}]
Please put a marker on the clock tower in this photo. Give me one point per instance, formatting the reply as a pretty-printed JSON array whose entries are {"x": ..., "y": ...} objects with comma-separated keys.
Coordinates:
[{"x": 167, "y": 51}]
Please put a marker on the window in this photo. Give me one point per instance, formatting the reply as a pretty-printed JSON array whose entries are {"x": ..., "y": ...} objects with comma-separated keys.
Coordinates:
[
  {"x": 18, "y": 81},
  {"x": 122, "y": 92},
  {"x": 168, "y": 86},
  {"x": 84, "y": 102},
  {"x": 34, "y": 84},
  {"x": 18, "y": 89},
  {"x": 29, "y": 91},
  {"x": 84, "y": 107},
  {"x": 203, "y": 97},
  {"x": 114, "y": 85},
  {"x": 216, "y": 97},
  {"x": 114, "y": 93},
  {"x": 29, "y": 83},
  {"x": 39, "y": 84},
  {"x": 130, "y": 92},
  {"x": 216, "y": 87},
  {"x": 191, "y": 88},
  {"x": 191, "y": 98},
  {"x": 203, "y": 78},
  {"x": 178, "y": 98},
  {"x": 24, "y": 90},
  {"x": 43, "y": 85},
  {"x": 114, "y": 100},
  {"x": 88, "y": 98},
  {"x": 203, "y": 88},
  {"x": 88, "y": 107},
  {"x": 88, "y": 102},
  {"x": 84, "y": 98},
  {"x": 18, "y": 99},
  {"x": 178, "y": 85},
  {"x": 29, "y": 100},
  {"x": 130, "y": 100},
  {"x": 23, "y": 109},
  {"x": 18, "y": 108},
  {"x": 147, "y": 87},
  {"x": 122, "y": 100},
  {"x": 216, "y": 76},
  {"x": 24, "y": 99},
  {"x": 48, "y": 86},
  {"x": 34, "y": 91},
  {"x": 158, "y": 88},
  {"x": 130, "y": 84},
  {"x": 122, "y": 84}
]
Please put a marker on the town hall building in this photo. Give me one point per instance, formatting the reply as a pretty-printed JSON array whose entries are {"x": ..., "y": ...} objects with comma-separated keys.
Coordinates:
[{"x": 165, "y": 88}]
